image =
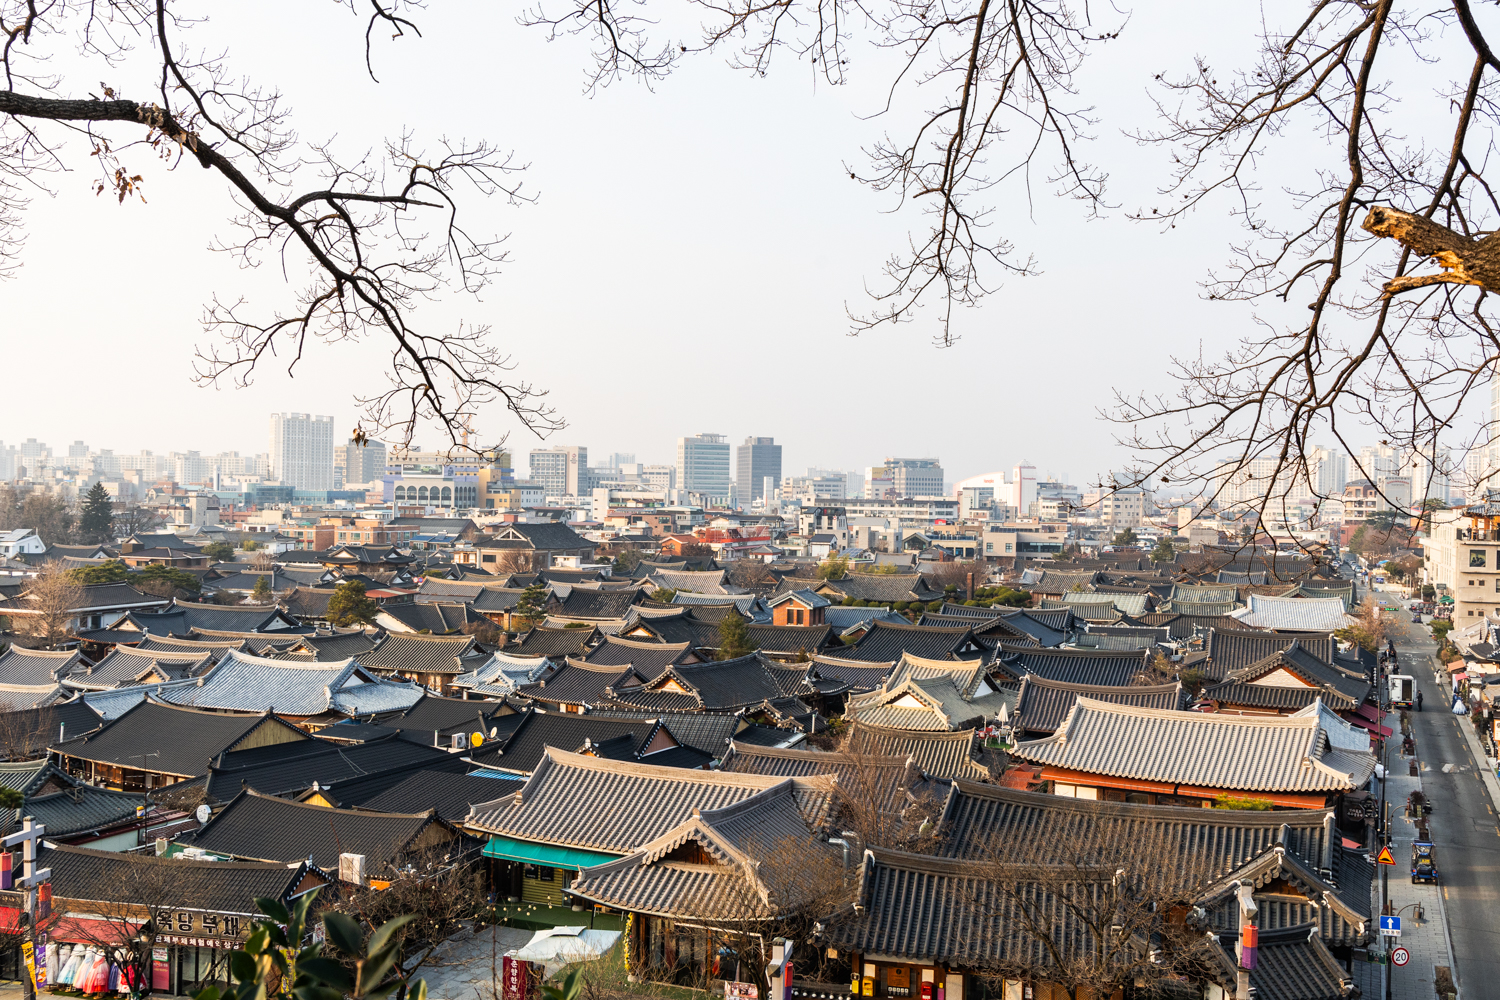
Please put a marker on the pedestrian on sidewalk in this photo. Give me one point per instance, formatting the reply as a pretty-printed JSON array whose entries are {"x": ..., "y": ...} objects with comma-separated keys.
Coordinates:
[{"x": 1419, "y": 701}]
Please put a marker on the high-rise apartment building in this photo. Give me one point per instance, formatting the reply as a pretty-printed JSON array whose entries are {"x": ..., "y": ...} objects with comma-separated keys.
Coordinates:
[
  {"x": 561, "y": 471},
  {"x": 190, "y": 468},
  {"x": 358, "y": 463},
  {"x": 302, "y": 450},
  {"x": 755, "y": 461},
  {"x": 703, "y": 465},
  {"x": 1329, "y": 471}
]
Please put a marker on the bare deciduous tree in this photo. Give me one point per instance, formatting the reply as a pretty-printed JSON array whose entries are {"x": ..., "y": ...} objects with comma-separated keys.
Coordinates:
[
  {"x": 368, "y": 237},
  {"x": 1091, "y": 911},
  {"x": 53, "y": 598}
]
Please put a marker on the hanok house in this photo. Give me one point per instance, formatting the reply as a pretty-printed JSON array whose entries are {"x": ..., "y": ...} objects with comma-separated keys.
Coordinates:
[
  {"x": 1289, "y": 680},
  {"x": 702, "y": 894},
  {"x": 102, "y": 606},
  {"x": 577, "y": 811},
  {"x": 1124, "y": 753},
  {"x": 153, "y": 745},
  {"x": 429, "y": 660},
  {"x": 1043, "y": 703},
  {"x": 951, "y": 924},
  {"x": 259, "y": 827},
  {"x": 938, "y": 695},
  {"x": 202, "y": 911}
]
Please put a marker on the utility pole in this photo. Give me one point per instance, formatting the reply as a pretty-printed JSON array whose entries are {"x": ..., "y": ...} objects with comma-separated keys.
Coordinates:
[
  {"x": 31, "y": 879},
  {"x": 1246, "y": 949}
]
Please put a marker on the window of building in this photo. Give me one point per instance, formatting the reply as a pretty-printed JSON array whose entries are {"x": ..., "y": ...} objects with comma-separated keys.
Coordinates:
[{"x": 1476, "y": 558}]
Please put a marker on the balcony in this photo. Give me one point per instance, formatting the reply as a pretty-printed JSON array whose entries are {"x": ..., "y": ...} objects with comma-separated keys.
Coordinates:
[{"x": 1475, "y": 535}]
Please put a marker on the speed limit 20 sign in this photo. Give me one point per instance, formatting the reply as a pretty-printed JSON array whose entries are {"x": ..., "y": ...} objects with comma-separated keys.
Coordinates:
[{"x": 1400, "y": 956}]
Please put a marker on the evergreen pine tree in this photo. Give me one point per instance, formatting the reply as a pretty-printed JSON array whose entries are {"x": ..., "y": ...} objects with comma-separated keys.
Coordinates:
[
  {"x": 734, "y": 637},
  {"x": 262, "y": 592},
  {"x": 531, "y": 606},
  {"x": 97, "y": 522},
  {"x": 348, "y": 605}
]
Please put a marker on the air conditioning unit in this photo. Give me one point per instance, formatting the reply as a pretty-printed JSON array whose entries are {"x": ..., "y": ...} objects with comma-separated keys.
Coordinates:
[
  {"x": 460, "y": 741},
  {"x": 352, "y": 869}
]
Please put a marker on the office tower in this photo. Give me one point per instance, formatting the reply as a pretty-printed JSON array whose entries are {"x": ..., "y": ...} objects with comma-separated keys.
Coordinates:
[
  {"x": 1023, "y": 487},
  {"x": 561, "y": 471},
  {"x": 703, "y": 465},
  {"x": 302, "y": 450},
  {"x": 78, "y": 450},
  {"x": 755, "y": 461}
]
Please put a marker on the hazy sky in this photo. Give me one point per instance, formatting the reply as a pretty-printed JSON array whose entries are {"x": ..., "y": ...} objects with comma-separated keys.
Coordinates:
[{"x": 686, "y": 268}]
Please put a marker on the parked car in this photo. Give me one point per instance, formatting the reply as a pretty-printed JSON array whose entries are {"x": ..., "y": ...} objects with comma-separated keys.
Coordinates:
[{"x": 1423, "y": 864}]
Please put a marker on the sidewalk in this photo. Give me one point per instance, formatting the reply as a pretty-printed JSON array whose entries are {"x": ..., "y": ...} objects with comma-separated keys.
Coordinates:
[{"x": 1426, "y": 939}]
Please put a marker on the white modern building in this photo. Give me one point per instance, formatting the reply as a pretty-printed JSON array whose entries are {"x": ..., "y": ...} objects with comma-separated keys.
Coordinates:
[
  {"x": 302, "y": 450},
  {"x": 561, "y": 471}
]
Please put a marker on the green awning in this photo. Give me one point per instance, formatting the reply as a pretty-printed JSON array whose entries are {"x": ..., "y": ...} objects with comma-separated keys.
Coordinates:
[{"x": 543, "y": 854}]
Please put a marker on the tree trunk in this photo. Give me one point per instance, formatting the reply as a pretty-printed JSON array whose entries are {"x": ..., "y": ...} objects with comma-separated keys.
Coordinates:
[{"x": 1464, "y": 261}]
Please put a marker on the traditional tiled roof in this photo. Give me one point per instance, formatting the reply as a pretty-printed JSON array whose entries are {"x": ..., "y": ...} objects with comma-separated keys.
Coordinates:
[
  {"x": 284, "y": 768},
  {"x": 30, "y": 776},
  {"x": 501, "y": 674},
  {"x": 1232, "y": 649},
  {"x": 36, "y": 667},
  {"x": 1195, "y": 749},
  {"x": 555, "y": 642},
  {"x": 573, "y": 800},
  {"x": 124, "y": 666},
  {"x": 182, "y": 618},
  {"x": 930, "y": 701},
  {"x": 859, "y": 675},
  {"x": 527, "y": 747},
  {"x": 847, "y": 620},
  {"x": 600, "y": 604},
  {"x": 267, "y": 828},
  {"x": 710, "y": 582},
  {"x": 431, "y": 617},
  {"x": 342, "y": 645},
  {"x": 576, "y": 682},
  {"x": 978, "y": 817},
  {"x": 401, "y": 652},
  {"x": 1193, "y": 593},
  {"x": 82, "y": 809},
  {"x": 299, "y": 688},
  {"x": 1338, "y": 689},
  {"x": 718, "y": 686},
  {"x": 939, "y": 754},
  {"x": 710, "y": 732},
  {"x": 95, "y": 597},
  {"x": 1055, "y": 581},
  {"x": 1324, "y": 589},
  {"x": 1201, "y": 609},
  {"x": 648, "y": 659},
  {"x": 178, "y": 741},
  {"x": 254, "y": 642},
  {"x": 1291, "y": 962},
  {"x": 172, "y": 644},
  {"x": 885, "y": 587},
  {"x": 451, "y": 795},
  {"x": 745, "y": 838},
  {"x": 1043, "y": 704},
  {"x": 82, "y": 873},
  {"x": 21, "y": 697},
  {"x": 1111, "y": 668},
  {"x": 1307, "y": 614},
  {"x": 546, "y": 535},
  {"x": 886, "y": 642}
]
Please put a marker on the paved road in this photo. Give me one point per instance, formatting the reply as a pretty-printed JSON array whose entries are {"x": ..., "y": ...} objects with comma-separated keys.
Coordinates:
[{"x": 1465, "y": 829}]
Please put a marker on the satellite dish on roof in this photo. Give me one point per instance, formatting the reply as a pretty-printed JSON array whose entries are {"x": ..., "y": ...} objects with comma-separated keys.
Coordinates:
[
  {"x": 476, "y": 739},
  {"x": 202, "y": 813}
]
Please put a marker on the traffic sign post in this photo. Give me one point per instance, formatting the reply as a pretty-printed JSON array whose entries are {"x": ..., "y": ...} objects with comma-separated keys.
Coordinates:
[
  {"x": 1385, "y": 857},
  {"x": 1390, "y": 926},
  {"x": 1400, "y": 956}
]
